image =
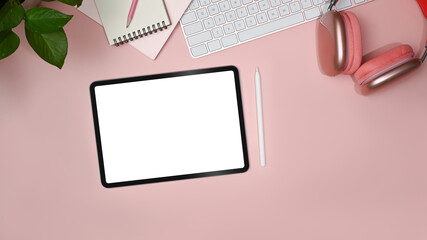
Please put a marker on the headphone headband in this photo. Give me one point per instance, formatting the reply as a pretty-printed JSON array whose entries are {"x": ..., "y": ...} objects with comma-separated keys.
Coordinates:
[
  {"x": 423, "y": 6},
  {"x": 421, "y": 3},
  {"x": 339, "y": 51}
]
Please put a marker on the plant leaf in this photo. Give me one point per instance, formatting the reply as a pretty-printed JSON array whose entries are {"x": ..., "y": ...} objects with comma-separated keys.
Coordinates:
[
  {"x": 2, "y": 2},
  {"x": 52, "y": 47},
  {"x": 9, "y": 42},
  {"x": 79, "y": 2},
  {"x": 11, "y": 14},
  {"x": 45, "y": 20},
  {"x": 70, "y": 2}
]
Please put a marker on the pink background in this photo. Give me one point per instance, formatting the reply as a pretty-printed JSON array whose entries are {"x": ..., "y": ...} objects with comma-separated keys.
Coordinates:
[{"x": 339, "y": 165}]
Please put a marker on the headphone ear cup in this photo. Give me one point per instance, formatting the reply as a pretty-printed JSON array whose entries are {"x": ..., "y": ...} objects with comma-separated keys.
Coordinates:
[
  {"x": 339, "y": 43},
  {"x": 354, "y": 43},
  {"x": 331, "y": 43},
  {"x": 384, "y": 63}
]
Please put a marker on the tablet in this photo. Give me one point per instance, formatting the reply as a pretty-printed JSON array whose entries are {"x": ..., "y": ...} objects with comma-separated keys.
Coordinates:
[{"x": 169, "y": 126}]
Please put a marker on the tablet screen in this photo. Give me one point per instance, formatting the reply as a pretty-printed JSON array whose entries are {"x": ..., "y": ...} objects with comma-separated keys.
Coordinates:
[{"x": 169, "y": 126}]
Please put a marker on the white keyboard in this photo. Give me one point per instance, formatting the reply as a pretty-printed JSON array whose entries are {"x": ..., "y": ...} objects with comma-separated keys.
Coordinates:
[{"x": 213, "y": 25}]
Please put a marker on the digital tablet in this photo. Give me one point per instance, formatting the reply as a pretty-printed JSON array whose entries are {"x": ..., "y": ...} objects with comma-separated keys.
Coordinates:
[{"x": 169, "y": 126}]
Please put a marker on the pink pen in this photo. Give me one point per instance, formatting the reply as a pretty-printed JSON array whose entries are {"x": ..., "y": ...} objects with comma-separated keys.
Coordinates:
[{"x": 131, "y": 12}]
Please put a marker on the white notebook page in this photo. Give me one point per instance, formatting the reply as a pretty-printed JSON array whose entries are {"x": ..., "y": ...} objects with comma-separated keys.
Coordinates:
[{"x": 114, "y": 14}]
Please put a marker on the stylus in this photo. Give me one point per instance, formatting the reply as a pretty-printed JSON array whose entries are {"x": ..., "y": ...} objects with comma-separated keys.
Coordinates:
[{"x": 259, "y": 116}]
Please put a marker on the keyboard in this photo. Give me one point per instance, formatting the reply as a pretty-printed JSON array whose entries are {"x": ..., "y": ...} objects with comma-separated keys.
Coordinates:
[{"x": 214, "y": 25}]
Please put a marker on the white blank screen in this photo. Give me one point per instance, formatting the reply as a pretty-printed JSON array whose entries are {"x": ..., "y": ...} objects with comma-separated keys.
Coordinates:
[{"x": 168, "y": 127}]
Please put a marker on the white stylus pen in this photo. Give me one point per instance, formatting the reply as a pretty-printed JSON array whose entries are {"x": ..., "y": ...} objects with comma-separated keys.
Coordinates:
[{"x": 259, "y": 115}]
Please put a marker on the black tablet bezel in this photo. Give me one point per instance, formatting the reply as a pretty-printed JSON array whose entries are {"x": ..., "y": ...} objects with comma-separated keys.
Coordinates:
[{"x": 160, "y": 76}]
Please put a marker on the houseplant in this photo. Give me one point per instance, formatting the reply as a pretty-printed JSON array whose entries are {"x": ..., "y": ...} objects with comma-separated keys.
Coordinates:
[{"x": 43, "y": 29}]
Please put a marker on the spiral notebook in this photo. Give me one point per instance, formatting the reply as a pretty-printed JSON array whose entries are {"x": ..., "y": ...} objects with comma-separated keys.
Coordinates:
[{"x": 150, "y": 17}]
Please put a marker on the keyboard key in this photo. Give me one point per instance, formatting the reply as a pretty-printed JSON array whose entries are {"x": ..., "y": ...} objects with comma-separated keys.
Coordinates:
[
  {"x": 194, "y": 4},
  {"x": 236, "y": 3},
  {"x": 209, "y": 23},
  {"x": 343, "y": 4},
  {"x": 253, "y": 8},
  {"x": 214, "y": 45},
  {"x": 247, "y": 1},
  {"x": 358, "y": 1},
  {"x": 284, "y": 10},
  {"x": 262, "y": 18},
  {"x": 188, "y": 18},
  {"x": 317, "y": 2},
  {"x": 199, "y": 50},
  {"x": 240, "y": 24},
  {"x": 228, "y": 28},
  {"x": 306, "y": 3},
  {"x": 217, "y": 32},
  {"x": 231, "y": 16},
  {"x": 219, "y": 19},
  {"x": 213, "y": 9},
  {"x": 263, "y": 5},
  {"x": 295, "y": 6},
  {"x": 204, "y": 2},
  {"x": 214, "y": 1},
  {"x": 241, "y": 12},
  {"x": 273, "y": 14},
  {"x": 202, "y": 13},
  {"x": 229, "y": 40},
  {"x": 250, "y": 21},
  {"x": 312, "y": 13},
  {"x": 286, "y": 1},
  {"x": 199, "y": 38},
  {"x": 275, "y": 3},
  {"x": 193, "y": 28},
  {"x": 269, "y": 27},
  {"x": 224, "y": 5}
]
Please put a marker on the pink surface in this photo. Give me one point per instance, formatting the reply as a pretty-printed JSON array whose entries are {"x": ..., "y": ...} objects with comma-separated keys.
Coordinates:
[
  {"x": 354, "y": 40},
  {"x": 339, "y": 165},
  {"x": 383, "y": 61}
]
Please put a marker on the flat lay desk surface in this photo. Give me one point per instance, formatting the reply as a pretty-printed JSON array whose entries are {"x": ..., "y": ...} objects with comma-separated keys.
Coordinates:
[{"x": 339, "y": 165}]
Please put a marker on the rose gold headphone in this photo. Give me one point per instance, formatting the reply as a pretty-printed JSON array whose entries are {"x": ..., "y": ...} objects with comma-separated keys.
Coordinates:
[{"x": 339, "y": 51}]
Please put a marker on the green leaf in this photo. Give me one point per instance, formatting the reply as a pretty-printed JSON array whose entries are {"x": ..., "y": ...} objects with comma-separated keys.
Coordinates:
[
  {"x": 52, "y": 47},
  {"x": 79, "y": 2},
  {"x": 9, "y": 42},
  {"x": 69, "y": 2},
  {"x": 45, "y": 20},
  {"x": 72, "y": 2},
  {"x": 11, "y": 14}
]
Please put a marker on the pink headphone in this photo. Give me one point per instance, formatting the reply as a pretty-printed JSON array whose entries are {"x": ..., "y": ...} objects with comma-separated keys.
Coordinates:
[{"x": 339, "y": 51}]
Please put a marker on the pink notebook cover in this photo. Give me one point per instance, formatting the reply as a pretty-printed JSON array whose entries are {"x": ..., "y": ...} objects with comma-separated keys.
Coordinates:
[{"x": 150, "y": 46}]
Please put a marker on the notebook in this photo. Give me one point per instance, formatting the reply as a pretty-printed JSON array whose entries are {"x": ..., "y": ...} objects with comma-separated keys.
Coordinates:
[
  {"x": 150, "y": 17},
  {"x": 169, "y": 126},
  {"x": 149, "y": 46}
]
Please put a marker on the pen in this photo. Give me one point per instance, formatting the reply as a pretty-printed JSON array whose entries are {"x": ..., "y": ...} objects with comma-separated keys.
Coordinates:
[
  {"x": 131, "y": 12},
  {"x": 259, "y": 116}
]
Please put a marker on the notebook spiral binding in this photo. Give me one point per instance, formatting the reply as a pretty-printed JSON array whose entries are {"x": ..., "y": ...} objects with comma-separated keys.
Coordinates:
[{"x": 140, "y": 33}]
